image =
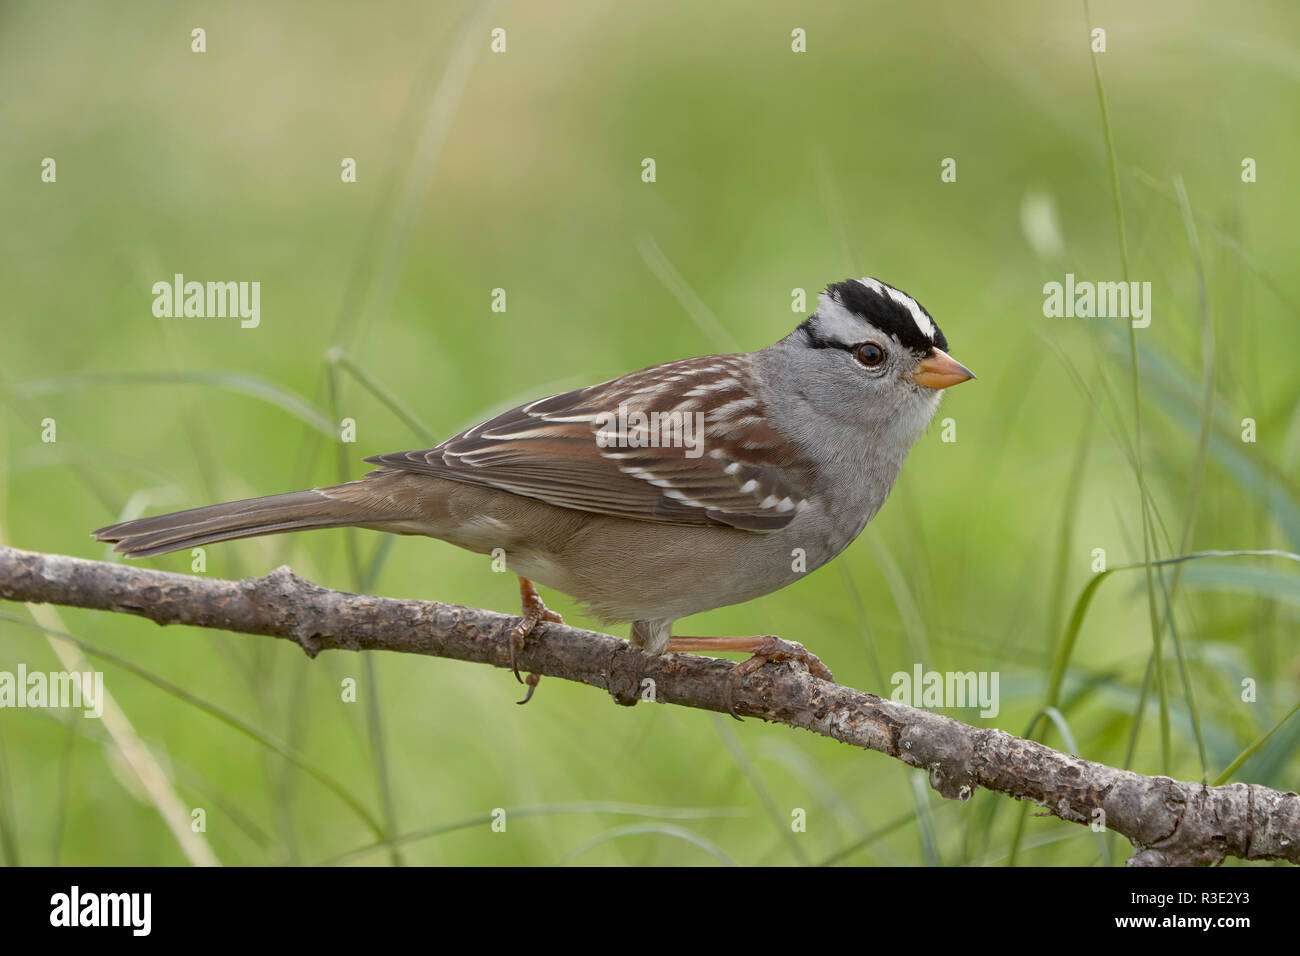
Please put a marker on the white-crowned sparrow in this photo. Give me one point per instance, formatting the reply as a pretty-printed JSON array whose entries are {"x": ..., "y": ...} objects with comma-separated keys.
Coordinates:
[{"x": 673, "y": 490}]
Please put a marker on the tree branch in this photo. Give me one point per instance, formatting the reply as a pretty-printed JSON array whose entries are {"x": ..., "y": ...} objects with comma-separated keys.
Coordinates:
[{"x": 1169, "y": 822}]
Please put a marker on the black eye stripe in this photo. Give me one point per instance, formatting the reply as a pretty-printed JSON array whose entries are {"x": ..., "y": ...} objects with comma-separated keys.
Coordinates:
[
  {"x": 815, "y": 340},
  {"x": 818, "y": 341}
]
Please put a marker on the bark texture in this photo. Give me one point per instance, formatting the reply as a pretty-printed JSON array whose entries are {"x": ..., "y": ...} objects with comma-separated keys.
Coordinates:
[{"x": 1169, "y": 822}]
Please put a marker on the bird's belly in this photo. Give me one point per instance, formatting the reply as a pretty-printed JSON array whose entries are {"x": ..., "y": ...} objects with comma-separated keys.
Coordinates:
[
  {"x": 632, "y": 570},
  {"x": 626, "y": 570}
]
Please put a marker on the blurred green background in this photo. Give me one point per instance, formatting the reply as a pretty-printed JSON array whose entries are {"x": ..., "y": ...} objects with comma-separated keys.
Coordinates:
[{"x": 521, "y": 170}]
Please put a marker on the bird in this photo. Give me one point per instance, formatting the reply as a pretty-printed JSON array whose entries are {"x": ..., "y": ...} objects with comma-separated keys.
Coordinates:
[{"x": 683, "y": 487}]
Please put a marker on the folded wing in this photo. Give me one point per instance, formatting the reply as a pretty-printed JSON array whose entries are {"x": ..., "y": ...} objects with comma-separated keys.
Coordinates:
[{"x": 682, "y": 443}]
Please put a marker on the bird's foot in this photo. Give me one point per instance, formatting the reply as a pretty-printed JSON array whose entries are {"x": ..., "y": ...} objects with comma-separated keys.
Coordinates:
[
  {"x": 765, "y": 649},
  {"x": 773, "y": 650},
  {"x": 535, "y": 612}
]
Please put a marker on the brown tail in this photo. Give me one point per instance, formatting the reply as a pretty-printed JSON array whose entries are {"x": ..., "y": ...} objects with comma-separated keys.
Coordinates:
[{"x": 354, "y": 503}]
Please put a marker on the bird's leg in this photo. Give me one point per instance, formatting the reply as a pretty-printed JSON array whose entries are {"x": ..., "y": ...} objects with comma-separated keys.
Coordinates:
[
  {"x": 765, "y": 648},
  {"x": 535, "y": 612}
]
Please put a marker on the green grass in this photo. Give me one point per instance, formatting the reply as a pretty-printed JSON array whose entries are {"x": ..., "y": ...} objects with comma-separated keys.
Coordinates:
[{"x": 776, "y": 171}]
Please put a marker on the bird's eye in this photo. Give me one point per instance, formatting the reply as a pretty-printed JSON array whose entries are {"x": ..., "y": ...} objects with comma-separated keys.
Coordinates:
[{"x": 870, "y": 354}]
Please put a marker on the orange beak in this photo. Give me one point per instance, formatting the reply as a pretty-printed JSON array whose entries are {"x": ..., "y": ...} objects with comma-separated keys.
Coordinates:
[{"x": 940, "y": 370}]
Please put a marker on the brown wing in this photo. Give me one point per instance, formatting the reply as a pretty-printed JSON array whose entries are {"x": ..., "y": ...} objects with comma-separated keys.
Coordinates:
[{"x": 702, "y": 452}]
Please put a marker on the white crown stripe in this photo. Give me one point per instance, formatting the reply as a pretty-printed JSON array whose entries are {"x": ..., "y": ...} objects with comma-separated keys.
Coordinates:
[{"x": 923, "y": 322}]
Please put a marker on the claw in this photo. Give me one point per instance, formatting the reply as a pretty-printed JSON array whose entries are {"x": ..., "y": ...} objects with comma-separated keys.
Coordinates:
[
  {"x": 535, "y": 612},
  {"x": 532, "y": 682},
  {"x": 517, "y": 635}
]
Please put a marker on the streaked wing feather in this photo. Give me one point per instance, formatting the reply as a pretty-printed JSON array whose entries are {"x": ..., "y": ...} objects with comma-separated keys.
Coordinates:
[{"x": 746, "y": 475}]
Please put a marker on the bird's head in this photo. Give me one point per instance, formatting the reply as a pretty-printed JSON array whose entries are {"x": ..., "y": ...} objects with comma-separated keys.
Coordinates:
[{"x": 871, "y": 357}]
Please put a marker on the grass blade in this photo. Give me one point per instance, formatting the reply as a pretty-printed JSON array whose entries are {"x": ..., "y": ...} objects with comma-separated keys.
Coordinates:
[
  {"x": 238, "y": 382},
  {"x": 661, "y": 829},
  {"x": 1148, "y": 543},
  {"x": 1246, "y": 754},
  {"x": 561, "y": 809},
  {"x": 227, "y": 718}
]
